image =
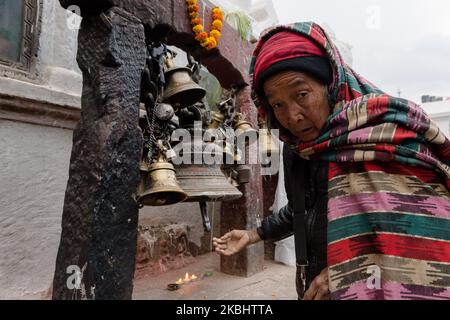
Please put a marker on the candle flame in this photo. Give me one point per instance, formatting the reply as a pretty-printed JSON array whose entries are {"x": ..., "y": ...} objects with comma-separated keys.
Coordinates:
[{"x": 187, "y": 278}]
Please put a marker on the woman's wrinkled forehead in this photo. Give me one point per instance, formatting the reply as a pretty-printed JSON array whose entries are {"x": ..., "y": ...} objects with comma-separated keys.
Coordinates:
[{"x": 291, "y": 80}]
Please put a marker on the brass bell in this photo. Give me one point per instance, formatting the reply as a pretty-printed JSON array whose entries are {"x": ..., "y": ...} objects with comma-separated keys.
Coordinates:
[
  {"x": 217, "y": 119},
  {"x": 159, "y": 185},
  {"x": 180, "y": 89},
  {"x": 243, "y": 128},
  {"x": 267, "y": 144},
  {"x": 242, "y": 125},
  {"x": 204, "y": 182}
]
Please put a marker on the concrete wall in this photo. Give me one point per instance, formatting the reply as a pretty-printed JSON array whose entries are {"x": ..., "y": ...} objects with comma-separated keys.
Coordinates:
[{"x": 34, "y": 162}]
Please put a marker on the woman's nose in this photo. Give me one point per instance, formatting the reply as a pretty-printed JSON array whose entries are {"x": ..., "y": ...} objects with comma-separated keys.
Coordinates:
[{"x": 294, "y": 113}]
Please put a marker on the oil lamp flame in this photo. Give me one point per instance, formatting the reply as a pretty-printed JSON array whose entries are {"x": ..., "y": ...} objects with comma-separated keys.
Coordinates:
[{"x": 187, "y": 278}]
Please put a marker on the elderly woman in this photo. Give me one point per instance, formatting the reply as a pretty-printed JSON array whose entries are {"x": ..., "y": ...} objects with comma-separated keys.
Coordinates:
[{"x": 366, "y": 174}]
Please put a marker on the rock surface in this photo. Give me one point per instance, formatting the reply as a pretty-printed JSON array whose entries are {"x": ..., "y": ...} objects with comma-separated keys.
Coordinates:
[{"x": 100, "y": 215}]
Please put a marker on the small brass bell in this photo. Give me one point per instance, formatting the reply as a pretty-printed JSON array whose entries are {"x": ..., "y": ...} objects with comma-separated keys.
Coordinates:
[
  {"x": 267, "y": 145},
  {"x": 217, "y": 119},
  {"x": 180, "y": 89},
  {"x": 159, "y": 186},
  {"x": 244, "y": 129},
  {"x": 241, "y": 125}
]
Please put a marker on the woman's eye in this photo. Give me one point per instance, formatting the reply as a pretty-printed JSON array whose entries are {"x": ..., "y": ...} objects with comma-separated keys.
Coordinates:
[
  {"x": 302, "y": 94},
  {"x": 276, "y": 106}
]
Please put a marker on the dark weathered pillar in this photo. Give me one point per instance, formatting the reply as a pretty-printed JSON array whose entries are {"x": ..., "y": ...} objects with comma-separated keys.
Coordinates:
[
  {"x": 243, "y": 213},
  {"x": 100, "y": 215}
]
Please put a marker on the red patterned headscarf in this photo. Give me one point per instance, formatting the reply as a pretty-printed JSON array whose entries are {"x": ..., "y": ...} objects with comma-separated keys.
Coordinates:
[{"x": 282, "y": 47}]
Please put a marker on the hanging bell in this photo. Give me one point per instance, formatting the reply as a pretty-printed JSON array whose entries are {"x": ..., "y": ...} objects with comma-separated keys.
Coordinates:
[
  {"x": 267, "y": 144},
  {"x": 217, "y": 118},
  {"x": 241, "y": 125},
  {"x": 159, "y": 185},
  {"x": 180, "y": 89},
  {"x": 243, "y": 128},
  {"x": 204, "y": 182}
]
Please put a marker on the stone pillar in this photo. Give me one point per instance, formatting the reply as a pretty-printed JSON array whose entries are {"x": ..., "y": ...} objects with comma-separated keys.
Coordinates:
[
  {"x": 100, "y": 215},
  {"x": 243, "y": 213}
]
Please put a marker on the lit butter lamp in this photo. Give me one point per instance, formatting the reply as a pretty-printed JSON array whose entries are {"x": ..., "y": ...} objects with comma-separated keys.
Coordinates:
[
  {"x": 186, "y": 279},
  {"x": 179, "y": 282}
]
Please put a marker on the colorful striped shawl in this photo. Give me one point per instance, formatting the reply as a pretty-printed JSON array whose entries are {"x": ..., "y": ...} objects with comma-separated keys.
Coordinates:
[{"x": 388, "y": 190}]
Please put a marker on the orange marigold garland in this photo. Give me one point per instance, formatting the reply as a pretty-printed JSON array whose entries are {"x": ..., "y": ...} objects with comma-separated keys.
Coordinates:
[{"x": 208, "y": 41}]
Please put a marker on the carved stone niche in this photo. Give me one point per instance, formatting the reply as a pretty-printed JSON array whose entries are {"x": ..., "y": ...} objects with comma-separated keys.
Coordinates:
[{"x": 161, "y": 248}]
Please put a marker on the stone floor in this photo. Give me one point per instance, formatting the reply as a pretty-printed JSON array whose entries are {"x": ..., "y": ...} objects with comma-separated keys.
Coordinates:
[{"x": 276, "y": 282}]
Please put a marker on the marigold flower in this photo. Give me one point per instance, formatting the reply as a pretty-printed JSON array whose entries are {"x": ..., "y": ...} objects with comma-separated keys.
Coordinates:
[
  {"x": 217, "y": 24},
  {"x": 194, "y": 8},
  {"x": 211, "y": 40},
  {"x": 198, "y": 28},
  {"x": 212, "y": 43},
  {"x": 201, "y": 36},
  {"x": 205, "y": 42},
  {"x": 196, "y": 21},
  {"x": 218, "y": 16},
  {"x": 215, "y": 34}
]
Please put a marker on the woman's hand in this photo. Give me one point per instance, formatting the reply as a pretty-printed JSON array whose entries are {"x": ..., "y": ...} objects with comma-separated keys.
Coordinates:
[
  {"x": 234, "y": 241},
  {"x": 319, "y": 289}
]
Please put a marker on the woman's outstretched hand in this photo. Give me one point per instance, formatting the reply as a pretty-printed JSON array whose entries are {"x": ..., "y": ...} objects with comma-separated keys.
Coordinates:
[{"x": 234, "y": 241}]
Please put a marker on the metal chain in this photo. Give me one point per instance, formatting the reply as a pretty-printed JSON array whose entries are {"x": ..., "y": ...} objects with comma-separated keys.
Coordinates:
[{"x": 151, "y": 126}]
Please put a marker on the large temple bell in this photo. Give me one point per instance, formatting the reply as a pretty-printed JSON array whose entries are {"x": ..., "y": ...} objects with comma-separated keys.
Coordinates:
[
  {"x": 201, "y": 181},
  {"x": 204, "y": 182}
]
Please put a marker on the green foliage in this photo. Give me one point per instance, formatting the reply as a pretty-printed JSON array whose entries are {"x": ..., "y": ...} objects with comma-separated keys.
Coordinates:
[
  {"x": 241, "y": 22},
  {"x": 212, "y": 87}
]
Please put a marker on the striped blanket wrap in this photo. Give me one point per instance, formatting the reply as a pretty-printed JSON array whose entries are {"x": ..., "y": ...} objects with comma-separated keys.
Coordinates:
[{"x": 388, "y": 190}]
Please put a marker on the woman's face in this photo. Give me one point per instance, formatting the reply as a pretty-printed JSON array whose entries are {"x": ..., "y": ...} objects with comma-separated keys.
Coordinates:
[{"x": 299, "y": 102}]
